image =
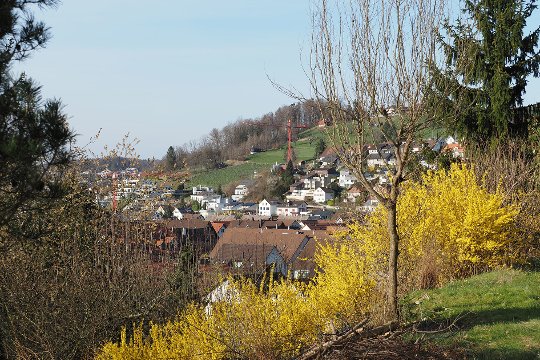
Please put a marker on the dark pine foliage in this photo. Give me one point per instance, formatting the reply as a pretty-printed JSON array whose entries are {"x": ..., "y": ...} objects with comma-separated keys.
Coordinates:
[
  {"x": 34, "y": 135},
  {"x": 488, "y": 61}
]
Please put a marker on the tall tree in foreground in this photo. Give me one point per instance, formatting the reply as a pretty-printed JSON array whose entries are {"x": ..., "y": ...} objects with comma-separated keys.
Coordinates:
[
  {"x": 34, "y": 135},
  {"x": 488, "y": 61},
  {"x": 368, "y": 56}
]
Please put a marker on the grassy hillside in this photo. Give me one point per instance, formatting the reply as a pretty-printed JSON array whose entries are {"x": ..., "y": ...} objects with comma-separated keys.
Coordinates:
[
  {"x": 497, "y": 314},
  {"x": 304, "y": 148},
  {"x": 224, "y": 176}
]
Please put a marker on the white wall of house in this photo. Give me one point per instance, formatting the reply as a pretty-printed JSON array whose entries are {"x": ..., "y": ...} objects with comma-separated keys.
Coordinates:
[
  {"x": 236, "y": 197},
  {"x": 300, "y": 194},
  {"x": 267, "y": 209},
  {"x": 320, "y": 196},
  {"x": 201, "y": 189},
  {"x": 295, "y": 210},
  {"x": 206, "y": 198},
  {"x": 312, "y": 182},
  {"x": 177, "y": 214},
  {"x": 370, "y": 205},
  {"x": 275, "y": 258},
  {"x": 346, "y": 178},
  {"x": 240, "y": 192},
  {"x": 351, "y": 196}
]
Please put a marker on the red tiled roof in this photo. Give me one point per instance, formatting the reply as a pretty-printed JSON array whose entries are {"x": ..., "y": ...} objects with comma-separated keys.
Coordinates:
[
  {"x": 451, "y": 147},
  {"x": 188, "y": 224},
  {"x": 286, "y": 242},
  {"x": 252, "y": 224},
  {"x": 329, "y": 151},
  {"x": 217, "y": 226}
]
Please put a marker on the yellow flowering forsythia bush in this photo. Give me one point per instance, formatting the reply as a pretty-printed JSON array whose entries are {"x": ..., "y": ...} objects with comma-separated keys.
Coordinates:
[
  {"x": 253, "y": 324},
  {"x": 449, "y": 225},
  {"x": 344, "y": 286},
  {"x": 256, "y": 323},
  {"x": 453, "y": 222}
]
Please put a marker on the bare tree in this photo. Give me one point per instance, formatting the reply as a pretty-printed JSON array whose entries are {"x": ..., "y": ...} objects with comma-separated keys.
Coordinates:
[{"x": 370, "y": 70}]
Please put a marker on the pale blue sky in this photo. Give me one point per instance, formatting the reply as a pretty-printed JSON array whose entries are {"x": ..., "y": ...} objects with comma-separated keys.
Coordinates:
[{"x": 168, "y": 71}]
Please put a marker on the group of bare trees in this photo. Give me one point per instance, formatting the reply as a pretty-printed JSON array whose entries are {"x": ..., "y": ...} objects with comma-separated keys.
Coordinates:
[
  {"x": 237, "y": 139},
  {"x": 84, "y": 275}
]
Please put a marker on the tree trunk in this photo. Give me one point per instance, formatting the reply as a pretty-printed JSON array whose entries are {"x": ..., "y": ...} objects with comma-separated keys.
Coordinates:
[{"x": 392, "y": 261}]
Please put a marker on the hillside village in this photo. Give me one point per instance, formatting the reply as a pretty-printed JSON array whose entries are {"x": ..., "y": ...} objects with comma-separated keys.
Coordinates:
[
  {"x": 253, "y": 211},
  {"x": 316, "y": 186},
  {"x": 250, "y": 237}
]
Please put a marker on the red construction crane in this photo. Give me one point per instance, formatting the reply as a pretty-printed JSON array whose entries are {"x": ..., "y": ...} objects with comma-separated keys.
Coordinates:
[{"x": 290, "y": 126}]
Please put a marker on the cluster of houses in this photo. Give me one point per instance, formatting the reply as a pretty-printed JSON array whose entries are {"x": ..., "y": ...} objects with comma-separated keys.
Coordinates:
[
  {"x": 317, "y": 188},
  {"x": 283, "y": 235},
  {"x": 312, "y": 190},
  {"x": 139, "y": 192},
  {"x": 248, "y": 246}
]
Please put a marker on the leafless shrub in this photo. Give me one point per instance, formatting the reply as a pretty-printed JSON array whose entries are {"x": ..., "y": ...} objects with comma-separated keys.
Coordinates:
[{"x": 86, "y": 274}]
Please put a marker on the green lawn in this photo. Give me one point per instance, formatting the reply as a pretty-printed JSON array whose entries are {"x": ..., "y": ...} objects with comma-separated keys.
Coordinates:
[
  {"x": 304, "y": 148},
  {"x": 313, "y": 133},
  {"x": 225, "y": 176},
  {"x": 498, "y": 314}
]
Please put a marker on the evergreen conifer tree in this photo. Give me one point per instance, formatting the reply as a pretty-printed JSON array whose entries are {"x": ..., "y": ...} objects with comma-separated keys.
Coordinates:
[
  {"x": 170, "y": 159},
  {"x": 488, "y": 60},
  {"x": 285, "y": 181},
  {"x": 34, "y": 135}
]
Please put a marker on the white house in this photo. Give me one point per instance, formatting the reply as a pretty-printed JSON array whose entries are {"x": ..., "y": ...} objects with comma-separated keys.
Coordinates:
[
  {"x": 346, "y": 178},
  {"x": 215, "y": 203},
  {"x": 370, "y": 205},
  {"x": 248, "y": 208},
  {"x": 322, "y": 195},
  {"x": 382, "y": 159},
  {"x": 206, "y": 198},
  {"x": 354, "y": 192},
  {"x": 240, "y": 192},
  {"x": 177, "y": 214},
  {"x": 372, "y": 149},
  {"x": 299, "y": 194},
  {"x": 268, "y": 208},
  {"x": 416, "y": 147},
  {"x": 202, "y": 189},
  {"x": 291, "y": 209},
  {"x": 230, "y": 208}
]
